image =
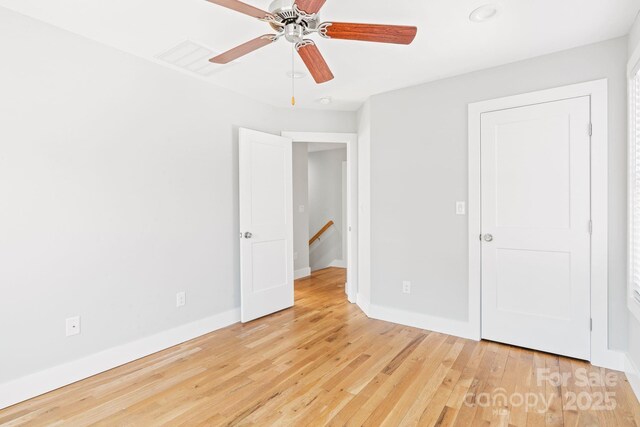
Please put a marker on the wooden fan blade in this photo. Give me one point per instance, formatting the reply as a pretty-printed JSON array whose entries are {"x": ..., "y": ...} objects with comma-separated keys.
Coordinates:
[
  {"x": 398, "y": 34},
  {"x": 314, "y": 61},
  {"x": 238, "y": 6},
  {"x": 243, "y": 49},
  {"x": 310, "y": 6}
]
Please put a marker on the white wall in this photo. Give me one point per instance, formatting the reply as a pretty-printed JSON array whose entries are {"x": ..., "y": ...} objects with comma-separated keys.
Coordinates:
[
  {"x": 118, "y": 188},
  {"x": 419, "y": 170},
  {"x": 325, "y": 204},
  {"x": 300, "y": 198},
  {"x": 634, "y": 35}
]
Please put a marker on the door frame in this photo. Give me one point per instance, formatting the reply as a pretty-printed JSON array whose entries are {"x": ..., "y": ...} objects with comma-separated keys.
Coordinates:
[
  {"x": 351, "y": 140},
  {"x": 601, "y": 355}
]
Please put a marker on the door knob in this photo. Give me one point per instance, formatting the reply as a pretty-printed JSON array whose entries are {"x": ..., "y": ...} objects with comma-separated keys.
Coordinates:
[
  {"x": 248, "y": 235},
  {"x": 488, "y": 237}
]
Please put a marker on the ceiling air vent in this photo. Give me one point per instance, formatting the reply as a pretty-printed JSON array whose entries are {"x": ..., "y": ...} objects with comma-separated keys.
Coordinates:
[{"x": 191, "y": 56}]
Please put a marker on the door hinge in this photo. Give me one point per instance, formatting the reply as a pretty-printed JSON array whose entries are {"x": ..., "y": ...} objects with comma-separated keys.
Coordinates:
[
  {"x": 590, "y": 227},
  {"x": 591, "y": 324},
  {"x": 481, "y": 237},
  {"x": 590, "y": 129}
]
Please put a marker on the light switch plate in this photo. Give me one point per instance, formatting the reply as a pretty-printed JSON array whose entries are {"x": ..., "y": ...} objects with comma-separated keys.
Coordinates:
[
  {"x": 406, "y": 287},
  {"x": 461, "y": 208},
  {"x": 181, "y": 299},
  {"x": 301, "y": 208}
]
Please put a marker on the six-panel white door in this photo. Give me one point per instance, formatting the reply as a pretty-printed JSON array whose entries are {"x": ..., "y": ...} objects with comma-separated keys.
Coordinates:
[
  {"x": 266, "y": 225},
  {"x": 536, "y": 226}
]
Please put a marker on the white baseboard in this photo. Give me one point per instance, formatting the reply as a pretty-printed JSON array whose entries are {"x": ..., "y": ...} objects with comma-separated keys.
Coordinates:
[
  {"x": 351, "y": 297},
  {"x": 443, "y": 325},
  {"x": 364, "y": 305},
  {"x": 303, "y": 272},
  {"x": 41, "y": 382},
  {"x": 633, "y": 375},
  {"x": 610, "y": 359},
  {"x": 338, "y": 263}
]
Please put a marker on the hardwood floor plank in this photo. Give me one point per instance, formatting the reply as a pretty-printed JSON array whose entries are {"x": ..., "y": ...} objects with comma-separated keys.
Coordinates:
[
  {"x": 462, "y": 389},
  {"x": 554, "y": 416},
  {"x": 467, "y": 412},
  {"x": 435, "y": 411},
  {"x": 502, "y": 410},
  {"x": 485, "y": 412},
  {"x": 536, "y": 415},
  {"x": 428, "y": 374},
  {"x": 518, "y": 410}
]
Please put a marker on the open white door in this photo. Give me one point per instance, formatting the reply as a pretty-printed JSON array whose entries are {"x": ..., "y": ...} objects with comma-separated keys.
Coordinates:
[
  {"x": 266, "y": 225},
  {"x": 535, "y": 225}
]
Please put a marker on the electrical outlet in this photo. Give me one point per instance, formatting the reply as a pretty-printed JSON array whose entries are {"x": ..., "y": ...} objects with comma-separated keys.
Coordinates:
[
  {"x": 295, "y": 256},
  {"x": 181, "y": 299},
  {"x": 406, "y": 287},
  {"x": 73, "y": 326},
  {"x": 461, "y": 208}
]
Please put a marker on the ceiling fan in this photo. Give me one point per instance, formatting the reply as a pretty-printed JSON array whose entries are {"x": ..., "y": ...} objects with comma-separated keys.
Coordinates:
[{"x": 296, "y": 19}]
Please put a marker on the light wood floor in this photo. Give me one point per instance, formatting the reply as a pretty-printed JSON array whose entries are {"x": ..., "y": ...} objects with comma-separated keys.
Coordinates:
[{"x": 324, "y": 362}]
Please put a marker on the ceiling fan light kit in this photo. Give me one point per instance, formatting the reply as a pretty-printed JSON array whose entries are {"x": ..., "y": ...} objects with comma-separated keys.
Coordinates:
[{"x": 295, "y": 20}]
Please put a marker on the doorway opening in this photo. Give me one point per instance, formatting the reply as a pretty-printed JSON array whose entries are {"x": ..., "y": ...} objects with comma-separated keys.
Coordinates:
[
  {"x": 325, "y": 206},
  {"x": 320, "y": 212}
]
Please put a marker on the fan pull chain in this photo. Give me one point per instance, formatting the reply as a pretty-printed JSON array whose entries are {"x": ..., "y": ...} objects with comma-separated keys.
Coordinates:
[{"x": 293, "y": 87}]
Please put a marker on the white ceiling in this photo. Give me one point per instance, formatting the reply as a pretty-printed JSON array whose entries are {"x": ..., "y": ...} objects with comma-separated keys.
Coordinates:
[{"x": 447, "y": 43}]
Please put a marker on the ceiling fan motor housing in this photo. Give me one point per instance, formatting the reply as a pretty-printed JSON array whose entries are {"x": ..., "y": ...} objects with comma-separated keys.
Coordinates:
[
  {"x": 283, "y": 9},
  {"x": 297, "y": 24}
]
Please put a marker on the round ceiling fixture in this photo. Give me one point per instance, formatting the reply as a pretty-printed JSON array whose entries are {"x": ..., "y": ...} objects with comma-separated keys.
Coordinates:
[
  {"x": 295, "y": 75},
  {"x": 484, "y": 13},
  {"x": 325, "y": 101}
]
